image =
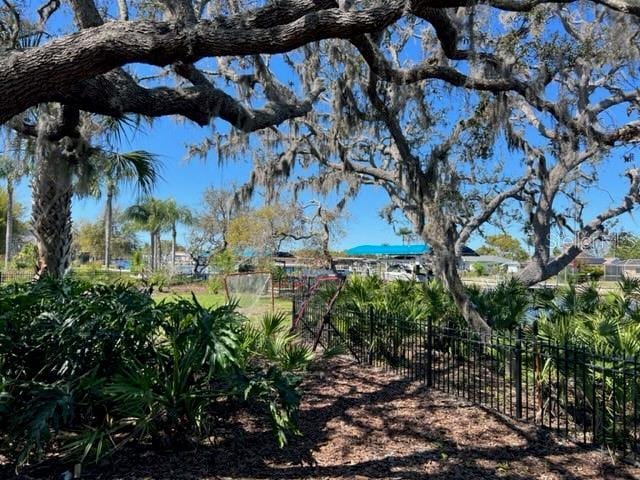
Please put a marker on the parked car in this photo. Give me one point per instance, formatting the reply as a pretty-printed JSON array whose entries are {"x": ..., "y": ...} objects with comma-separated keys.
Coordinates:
[{"x": 404, "y": 272}]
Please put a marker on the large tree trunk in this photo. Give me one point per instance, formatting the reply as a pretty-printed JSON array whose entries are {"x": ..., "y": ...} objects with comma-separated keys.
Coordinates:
[
  {"x": 442, "y": 236},
  {"x": 174, "y": 235},
  {"x": 51, "y": 207},
  {"x": 152, "y": 251},
  {"x": 542, "y": 265},
  {"x": 158, "y": 251},
  {"x": 8, "y": 250},
  {"x": 536, "y": 272},
  {"x": 108, "y": 226},
  {"x": 445, "y": 262}
]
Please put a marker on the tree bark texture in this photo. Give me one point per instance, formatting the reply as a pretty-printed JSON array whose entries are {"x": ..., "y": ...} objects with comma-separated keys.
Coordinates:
[
  {"x": 174, "y": 235},
  {"x": 45, "y": 73},
  {"x": 446, "y": 266},
  {"x": 52, "y": 191},
  {"x": 152, "y": 251},
  {"x": 108, "y": 227},
  {"x": 8, "y": 249}
]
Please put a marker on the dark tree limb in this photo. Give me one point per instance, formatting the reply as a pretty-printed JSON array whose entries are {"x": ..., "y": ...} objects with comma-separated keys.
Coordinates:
[{"x": 29, "y": 77}]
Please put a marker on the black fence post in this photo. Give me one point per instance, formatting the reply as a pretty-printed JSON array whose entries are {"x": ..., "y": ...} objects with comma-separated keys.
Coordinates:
[
  {"x": 518, "y": 372},
  {"x": 293, "y": 312},
  {"x": 429, "y": 351},
  {"x": 371, "y": 335}
]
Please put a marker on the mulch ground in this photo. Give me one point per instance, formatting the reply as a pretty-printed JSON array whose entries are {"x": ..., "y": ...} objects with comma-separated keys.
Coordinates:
[{"x": 363, "y": 423}]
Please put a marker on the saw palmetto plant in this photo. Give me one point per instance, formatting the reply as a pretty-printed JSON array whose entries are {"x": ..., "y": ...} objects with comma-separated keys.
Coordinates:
[{"x": 90, "y": 368}]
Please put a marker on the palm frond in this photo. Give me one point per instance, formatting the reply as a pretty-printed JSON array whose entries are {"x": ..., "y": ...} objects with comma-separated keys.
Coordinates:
[{"x": 116, "y": 129}]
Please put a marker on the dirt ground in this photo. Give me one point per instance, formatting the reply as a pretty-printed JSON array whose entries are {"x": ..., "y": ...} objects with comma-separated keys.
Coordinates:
[{"x": 362, "y": 423}]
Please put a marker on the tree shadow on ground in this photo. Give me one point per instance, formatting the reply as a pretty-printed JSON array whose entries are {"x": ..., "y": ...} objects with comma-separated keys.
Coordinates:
[{"x": 360, "y": 422}]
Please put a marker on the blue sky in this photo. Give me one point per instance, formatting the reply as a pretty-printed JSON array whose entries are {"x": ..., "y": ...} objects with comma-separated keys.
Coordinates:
[{"x": 185, "y": 180}]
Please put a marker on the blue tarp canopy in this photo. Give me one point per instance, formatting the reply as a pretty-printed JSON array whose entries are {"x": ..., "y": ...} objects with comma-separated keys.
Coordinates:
[
  {"x": 418, "y": 249},
  {"x": 397, "y": 250}
]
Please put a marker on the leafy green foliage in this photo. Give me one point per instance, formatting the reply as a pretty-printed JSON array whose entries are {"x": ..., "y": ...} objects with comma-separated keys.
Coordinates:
[
  {"x": 576, "y": 336},
  {"x": 503, "y": 245},
  {"x": 603, "y": 324},
  {"x": 587, "y": 273},
  {"x": 275, "y": 362},
  {"x": 224, "y": 261},
  {"x": 626, "y": 246},
  {"x": 577, "y": 314},
  {"x": 27, "y": 257},
  {"x": 479, "y": 269},
  {"x": 379, "y": 315},
  {"x": 400, "y": 298},
  {"x": 505, "y": 306},
  {"x": 92, "y": 367},
  {"x": 136, "y": 261},
  {"x": 89, "y": 239}
]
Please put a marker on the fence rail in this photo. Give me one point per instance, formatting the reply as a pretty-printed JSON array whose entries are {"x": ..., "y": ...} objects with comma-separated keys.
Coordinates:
[
  {"x": 22, "y": 276},
  {"x": 15, "y": 277},
  {"x": 590, "y": 398}
]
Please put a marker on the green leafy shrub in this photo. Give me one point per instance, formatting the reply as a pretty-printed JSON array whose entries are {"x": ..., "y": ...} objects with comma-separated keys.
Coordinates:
[
  {"x": 215, "y": 284},
  {"x": 159, "y": 279},
  {"x": 590, "y": 273},
  {"x": 136, "y": 261},
  {"x": 266, "y": 343},
  {"x": 575, "y": 336},
  {"x": 26, "y": 258},
  {"x": 278, "y": 273},
  {"x": 378, "y": 316},
  {"x": 88, "y": 368},
  {"x": 505, "y": 306},
  {"x": 605, "y": 329},
  {"x": 479, "y": 269},
  {"x": 224, "y": 261}
]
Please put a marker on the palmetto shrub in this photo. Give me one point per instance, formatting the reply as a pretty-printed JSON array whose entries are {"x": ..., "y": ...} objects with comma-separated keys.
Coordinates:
[
  {"x": 87, "y": 368},
  {"x": 505, "y": 306},
  {"x": 602, "y": 333},
  {"x": 582, "y": 346},
  {"x": 378, "y": 317}
]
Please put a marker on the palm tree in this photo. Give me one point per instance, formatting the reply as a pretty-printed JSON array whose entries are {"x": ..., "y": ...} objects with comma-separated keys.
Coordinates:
[
  {"x": 67, "y": 164},
  {"x": 150, "y": 215},
  {"x": 176, "y": 214},
  {"x": 12, "y": 170},
  {"x": 139, "y": 168}
]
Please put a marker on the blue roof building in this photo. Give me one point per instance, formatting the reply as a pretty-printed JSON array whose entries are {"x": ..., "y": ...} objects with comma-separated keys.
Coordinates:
[
  {"x": 395, "y": 250},
  {"x": 388, "y": 250}
]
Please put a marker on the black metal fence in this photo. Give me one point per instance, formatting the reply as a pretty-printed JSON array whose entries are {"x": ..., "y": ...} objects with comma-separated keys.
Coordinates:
[
  {"x": 15, "y": 276},
  {"x": 285, "y": 286},
  {"x": 590, "y": 398},
  {"x": 22, "y": 276}
]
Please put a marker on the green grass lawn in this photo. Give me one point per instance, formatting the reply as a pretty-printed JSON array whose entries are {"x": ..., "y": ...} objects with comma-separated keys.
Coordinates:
[
  {"x": 248, "y": 305},
  {"x": 205, "y": 299}
]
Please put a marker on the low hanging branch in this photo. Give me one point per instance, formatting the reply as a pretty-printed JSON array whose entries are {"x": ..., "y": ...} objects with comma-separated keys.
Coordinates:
[
  {"x": 34, "y": 76},
  {"x": 66, "y": 69}
]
